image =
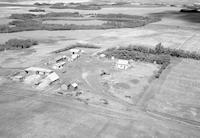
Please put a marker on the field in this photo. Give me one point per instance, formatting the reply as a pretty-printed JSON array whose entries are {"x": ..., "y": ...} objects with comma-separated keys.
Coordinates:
[
  {"x": 109, "y": 102},
  {"x": 169, "y": 96},
  {"x": 79, "y": 22}
]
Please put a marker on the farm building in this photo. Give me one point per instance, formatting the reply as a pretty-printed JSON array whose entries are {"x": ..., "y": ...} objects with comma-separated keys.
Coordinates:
[
  {"x": 75, "y": 51},
  {"x": 52, "y": 77},
  {"x": 122, "y": 64},
  {"x": 48, "y": 80},
  {"x": 37, "y": 70},
  {"x": 74, "y": 57},
  {"x": 72, "y": 86},
  {"x": 59, "y": 65},
  {"x": 60, "y": 58},
  {"x": 102, "y": 55}
]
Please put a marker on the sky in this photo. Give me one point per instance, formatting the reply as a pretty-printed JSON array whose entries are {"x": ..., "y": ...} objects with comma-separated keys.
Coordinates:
[{"x": 48, "y": 1}]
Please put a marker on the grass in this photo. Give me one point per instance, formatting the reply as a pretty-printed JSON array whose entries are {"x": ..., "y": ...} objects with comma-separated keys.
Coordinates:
[{"x": 76, "y": 46}]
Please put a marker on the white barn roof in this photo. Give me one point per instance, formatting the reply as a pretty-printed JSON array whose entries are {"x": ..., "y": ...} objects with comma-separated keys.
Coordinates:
[{"x": 34, "y": 69}]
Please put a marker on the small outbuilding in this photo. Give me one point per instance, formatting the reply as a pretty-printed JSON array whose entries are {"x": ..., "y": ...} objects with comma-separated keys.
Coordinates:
[
  {"x": 122, "y": 64},
  {"x": 59, "y": 65},
  {"x": 102, "y": 55},
  {"x": 72, "y": 86},
  {"x": 60, "y": 58}
]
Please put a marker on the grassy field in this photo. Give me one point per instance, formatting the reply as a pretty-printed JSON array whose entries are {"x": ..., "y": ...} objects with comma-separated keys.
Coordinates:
[{"x": 178, "y": 91}]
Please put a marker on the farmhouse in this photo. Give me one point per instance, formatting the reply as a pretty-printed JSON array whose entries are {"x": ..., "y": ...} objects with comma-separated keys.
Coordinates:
[
  {"x": 122, "y": 64},
  {"x": 37, "y": 70},
  {"x": 59, "y": 65}
]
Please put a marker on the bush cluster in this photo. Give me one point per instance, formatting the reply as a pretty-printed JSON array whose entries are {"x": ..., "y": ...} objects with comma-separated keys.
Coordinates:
[{"x": 17, "y": 44}]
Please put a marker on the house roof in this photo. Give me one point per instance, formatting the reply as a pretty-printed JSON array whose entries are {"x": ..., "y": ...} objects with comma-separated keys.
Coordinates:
[
  {"x": 122, "y": 61},
  {"x": 53, "y": 77},
  {"x": 38, "y": 69}
]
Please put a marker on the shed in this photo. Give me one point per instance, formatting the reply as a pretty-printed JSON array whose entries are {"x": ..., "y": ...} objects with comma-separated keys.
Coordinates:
[
  {"x": 72, "y": 86},
  {"x": 122, "y": 64},
  {"x": 48, "y": 80},
  {"x": 61, "y": 58},
  {"x": 59, "y": 65},
  {"x": 102, "y": 55}
]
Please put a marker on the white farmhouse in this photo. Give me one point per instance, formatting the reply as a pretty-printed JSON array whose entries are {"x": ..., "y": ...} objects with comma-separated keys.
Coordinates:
[{"x": 122, "y": 64}]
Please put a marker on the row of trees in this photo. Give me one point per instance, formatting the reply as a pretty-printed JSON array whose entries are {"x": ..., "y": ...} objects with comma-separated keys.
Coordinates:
[
  {"x": 159, "y": 49},
  {"x": 28, "y": 22}
]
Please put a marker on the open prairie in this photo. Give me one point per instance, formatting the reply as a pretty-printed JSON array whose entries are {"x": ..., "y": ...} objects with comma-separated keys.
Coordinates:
[{"x": 109, "y": 102}]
